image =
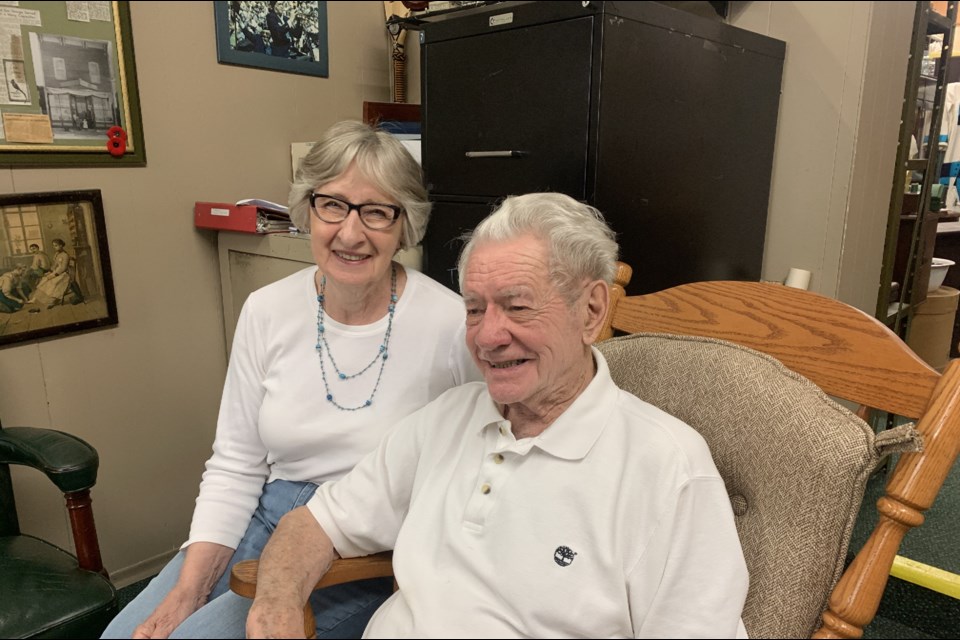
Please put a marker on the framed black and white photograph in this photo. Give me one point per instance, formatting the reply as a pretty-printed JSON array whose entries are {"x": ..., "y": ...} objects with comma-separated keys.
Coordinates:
[
  {"x": 68, "y": 92},
  {"x": 78, "y": 85},
  {"x": 55, "y": 275},
  {"x": 283, "y": 36}
]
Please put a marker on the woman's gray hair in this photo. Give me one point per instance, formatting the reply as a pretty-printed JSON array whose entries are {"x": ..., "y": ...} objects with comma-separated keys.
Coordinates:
[
  {"x": 580, "y": 244},
  {"x": 381, "y": 158}
]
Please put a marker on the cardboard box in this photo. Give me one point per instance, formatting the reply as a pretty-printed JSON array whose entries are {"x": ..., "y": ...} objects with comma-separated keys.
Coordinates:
[{"x": 932, "y": 326}]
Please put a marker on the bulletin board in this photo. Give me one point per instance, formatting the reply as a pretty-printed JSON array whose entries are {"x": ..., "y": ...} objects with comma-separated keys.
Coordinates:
[{"x": 68, "y": 85}]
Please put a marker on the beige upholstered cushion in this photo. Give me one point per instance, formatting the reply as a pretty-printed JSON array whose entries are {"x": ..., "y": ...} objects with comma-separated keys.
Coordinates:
[{"x": 794, "y": 461}]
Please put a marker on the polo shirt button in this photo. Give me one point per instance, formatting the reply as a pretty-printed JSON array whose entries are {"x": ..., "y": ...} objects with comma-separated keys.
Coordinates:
[
  {"x": 485, "y": 489},
  {"x": 503, "y": 431},
  {"x": 498, "y": 458}
]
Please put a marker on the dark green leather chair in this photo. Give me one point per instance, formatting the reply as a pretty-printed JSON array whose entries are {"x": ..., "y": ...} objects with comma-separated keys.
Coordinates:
[{"x": 46, "y": 592}]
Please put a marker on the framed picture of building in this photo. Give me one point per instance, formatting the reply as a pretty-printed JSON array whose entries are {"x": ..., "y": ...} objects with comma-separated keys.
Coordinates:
[
  {"x": 281, "y": 36},
  {"x": 55, "y": 275},
  {"x": 68, "y": 85}
]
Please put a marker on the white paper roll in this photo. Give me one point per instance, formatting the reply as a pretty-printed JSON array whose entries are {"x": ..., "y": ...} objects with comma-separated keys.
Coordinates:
[{"x": 798, "y": 278}]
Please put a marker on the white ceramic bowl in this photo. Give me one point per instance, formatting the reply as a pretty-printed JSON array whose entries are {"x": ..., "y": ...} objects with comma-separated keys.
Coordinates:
[{"x": 938, "y": 271}]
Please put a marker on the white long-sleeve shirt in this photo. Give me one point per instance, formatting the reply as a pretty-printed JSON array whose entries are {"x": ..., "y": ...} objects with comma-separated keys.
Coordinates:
[{"x": 275, "y": 421}]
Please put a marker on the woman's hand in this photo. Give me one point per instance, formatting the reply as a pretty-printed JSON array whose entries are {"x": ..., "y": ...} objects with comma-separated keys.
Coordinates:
[
  {"x": 179, "y": 605},
  {"x": 203, "y": 564}
]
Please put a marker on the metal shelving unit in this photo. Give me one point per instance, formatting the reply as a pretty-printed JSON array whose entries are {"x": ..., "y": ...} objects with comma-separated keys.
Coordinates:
[{"x": 911, "y": 225}]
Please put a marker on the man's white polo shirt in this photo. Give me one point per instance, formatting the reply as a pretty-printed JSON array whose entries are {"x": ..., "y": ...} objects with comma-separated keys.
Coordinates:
[{"x": 611, "y": 523}]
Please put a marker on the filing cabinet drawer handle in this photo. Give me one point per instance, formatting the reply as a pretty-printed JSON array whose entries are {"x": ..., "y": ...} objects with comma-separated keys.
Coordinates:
[{"x": 495, "y": 154}]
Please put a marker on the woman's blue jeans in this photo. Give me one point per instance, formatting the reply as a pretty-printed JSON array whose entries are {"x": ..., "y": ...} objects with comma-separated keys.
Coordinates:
[{"x": 342, "y": 611}]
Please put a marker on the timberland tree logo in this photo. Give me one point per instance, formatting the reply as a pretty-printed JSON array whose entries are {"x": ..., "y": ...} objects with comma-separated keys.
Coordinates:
[{"x": 563, "y": 556}]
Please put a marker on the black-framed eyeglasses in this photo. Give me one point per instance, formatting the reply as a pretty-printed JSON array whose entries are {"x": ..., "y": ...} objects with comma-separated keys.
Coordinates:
[{"x": 373, "y": 215}]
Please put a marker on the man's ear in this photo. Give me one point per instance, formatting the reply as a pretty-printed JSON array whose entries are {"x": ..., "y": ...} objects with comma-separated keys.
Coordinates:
[{"x": 597, "y": 301}]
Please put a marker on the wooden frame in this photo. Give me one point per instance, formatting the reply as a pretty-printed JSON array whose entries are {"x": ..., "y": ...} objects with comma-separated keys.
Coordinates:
[
  {"x": 55, "y": 274},
  {"x": 70, "y": 78},
  {"x": 244, "y": 36}
]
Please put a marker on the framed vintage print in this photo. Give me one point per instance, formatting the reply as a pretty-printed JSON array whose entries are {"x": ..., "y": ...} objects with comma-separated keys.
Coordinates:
[
  {"x": 280, "y": 36},
  {"x": 68, "y": 85},
  {"x": 55, "y": 275}
]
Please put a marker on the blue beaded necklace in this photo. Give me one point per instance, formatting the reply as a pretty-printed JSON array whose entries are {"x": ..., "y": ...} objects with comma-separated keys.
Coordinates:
[{"x": 381, "y": 354}]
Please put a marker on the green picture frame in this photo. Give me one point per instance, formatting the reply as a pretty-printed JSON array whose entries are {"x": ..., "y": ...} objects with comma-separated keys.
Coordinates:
[
  {"x": 293, "y": 40},
  {"x": 71, "y": 79}
]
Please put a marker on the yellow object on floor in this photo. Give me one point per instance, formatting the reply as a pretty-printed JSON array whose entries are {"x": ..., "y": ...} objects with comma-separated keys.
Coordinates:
[{"x": 927, "y": 576}]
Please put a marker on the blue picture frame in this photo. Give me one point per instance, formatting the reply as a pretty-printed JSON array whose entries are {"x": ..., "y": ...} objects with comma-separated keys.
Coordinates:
[{"x": 293, "y": 40}]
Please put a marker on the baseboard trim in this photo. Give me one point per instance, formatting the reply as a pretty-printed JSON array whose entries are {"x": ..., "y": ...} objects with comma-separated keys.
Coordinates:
[{"x": 146, "y": 569}]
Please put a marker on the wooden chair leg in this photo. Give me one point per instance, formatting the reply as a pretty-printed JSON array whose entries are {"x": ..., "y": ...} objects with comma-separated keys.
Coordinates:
[{"x": 84, "y": 531}]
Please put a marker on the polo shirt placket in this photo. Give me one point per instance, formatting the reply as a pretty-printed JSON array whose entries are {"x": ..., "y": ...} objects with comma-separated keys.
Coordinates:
[{"x": 501, "y": 455}]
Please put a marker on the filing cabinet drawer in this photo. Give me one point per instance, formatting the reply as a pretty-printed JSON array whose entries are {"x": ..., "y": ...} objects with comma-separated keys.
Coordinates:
[
  {"x": 442, "y": 244},
  {"x": 508, "y": 112}
]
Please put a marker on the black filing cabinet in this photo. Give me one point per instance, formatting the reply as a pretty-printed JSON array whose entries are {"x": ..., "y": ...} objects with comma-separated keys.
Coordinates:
[{"x": 663, "y": 120}]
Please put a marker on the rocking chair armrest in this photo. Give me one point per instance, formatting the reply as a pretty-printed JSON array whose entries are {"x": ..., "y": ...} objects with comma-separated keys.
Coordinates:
[{"x": 243, "y": 577}]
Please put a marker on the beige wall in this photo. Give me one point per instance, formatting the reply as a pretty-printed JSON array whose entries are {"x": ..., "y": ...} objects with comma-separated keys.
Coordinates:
[
  {"x": 146, "y": 393},
  {"x": 837, "y": 136},
  {"x": 878, "y": 132}
]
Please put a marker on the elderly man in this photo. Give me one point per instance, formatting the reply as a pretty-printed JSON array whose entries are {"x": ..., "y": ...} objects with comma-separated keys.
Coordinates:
[{"x": 545, "y": 502}]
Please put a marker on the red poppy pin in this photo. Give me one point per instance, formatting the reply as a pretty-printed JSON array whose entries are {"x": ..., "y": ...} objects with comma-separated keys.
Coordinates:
[{"x": 116, "y": 141}]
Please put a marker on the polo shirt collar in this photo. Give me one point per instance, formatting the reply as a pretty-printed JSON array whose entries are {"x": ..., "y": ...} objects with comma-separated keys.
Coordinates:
[{"x": 573, "y": 434}]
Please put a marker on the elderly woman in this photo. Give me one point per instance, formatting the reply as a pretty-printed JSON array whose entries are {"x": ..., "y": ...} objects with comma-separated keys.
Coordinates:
[{"x": 323, "y": 362}]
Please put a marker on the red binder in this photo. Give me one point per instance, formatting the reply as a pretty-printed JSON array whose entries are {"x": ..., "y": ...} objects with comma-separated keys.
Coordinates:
[
  {"x": 224, "y": 216},
  {"x": 248, "y": 218}
]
